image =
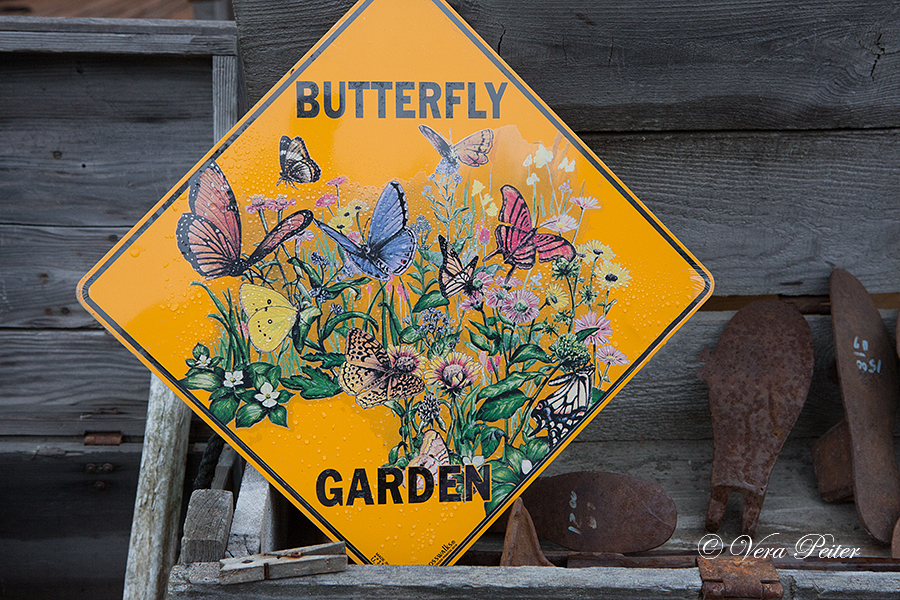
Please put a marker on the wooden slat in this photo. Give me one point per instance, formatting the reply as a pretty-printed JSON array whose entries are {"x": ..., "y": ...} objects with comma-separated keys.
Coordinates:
[
  {"x": 98, "y": 140},
  {"x": 633, "y": 66},
  {"x": 117, "y": 36}
]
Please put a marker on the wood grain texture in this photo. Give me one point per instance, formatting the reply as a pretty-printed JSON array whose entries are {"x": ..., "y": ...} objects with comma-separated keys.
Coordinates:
[
  {"x": 253, "y": 528},
  {"x": 643, "y": 65},
  {"x": 98, "y": 140},
  {"x": 207, "y": 525},
  {"x": 117, "y": 36}
]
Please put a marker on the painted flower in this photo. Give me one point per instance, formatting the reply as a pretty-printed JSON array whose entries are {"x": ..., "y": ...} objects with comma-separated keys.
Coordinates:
[
  {"x": 556, "y": 296},
  {"x": 481, "y": 280},
  {"x": 565, "y": 188},
  {"x": 611, "y": 356},
  {"x": 258, "y": 202},
  {"x": 532, "y": 179},
  {"x": 421, "y": 225},
  {"x": 318, "y": 260},
  {"x": 233, "y": 379},
  {"x": 490, "y": 207},
  {"x": 342, "y": 222},
  {"x": 567, "y": 165},
  {"x": 473, "y": 302},
  {"x": 428, "y": 409},
  {"x": 521, "y": 306},
  {"x": 590, "y": 321},
  {"x": 565, "y": 269},
  {"x": 267, "y": 395},
  {"x": 495, "y": 296},
  {"x": 476, "y": 461},
  {"x": 406, "y": 359},
  {"x": 326, "y": 200},
  {"x": 203, "y": 362},
  {"x": 526, "y": 466},
  {"x": 339, "y": 180},
  {"x": 484, "y": 235},
  {"x": 510, "y": 283},
  {"x": 280, "y": 202},
  {"x": 542, "y": 157},
  {"x": 336, "y": 309},
  {"x": 528, "y": 161},
  {"x": 585, "y": 202},
  {"x": 561, "y": 223},
  {"x": 489, "y": 364},
  {"x": 477, "y": 187},
  {"x": 570, "y": 353},
  {"x": 305, "y": 236},
  {"x": 612, "y": 276},
  {"x": 595, "y": 249},
  {"x": 355, "y": 236},
  {"x": 357, "y": 207},
  {"x": 452, "y": 372}
]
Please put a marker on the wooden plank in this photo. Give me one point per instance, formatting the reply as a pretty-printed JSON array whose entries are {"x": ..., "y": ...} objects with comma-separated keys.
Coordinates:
[
  {"x": 117, "y": 36},
  {"x": 207, "y": 525},
  {"x": 254, "y": 526},
  {"x": 69, "y": 382},
  {"x": 66, "y": 516},
  {"x": 39, "y": 269},
  {"x": 98, "y": 140},
  {"x": 635, "y": 66},
  {"x": 157, "y": 507},
  {"x": 226, "y": 93}
]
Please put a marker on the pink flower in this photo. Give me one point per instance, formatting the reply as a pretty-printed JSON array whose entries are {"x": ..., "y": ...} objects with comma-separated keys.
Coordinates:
[
  {"x": 340, "y": 179},
  {"x": 495, "y": 296},
  {"x": 473, "y": 302},
  {"x": 585, "y": 202},
  {"x": 512, "y": 282},
  {"x": 258, "y": 203},
  {"x": 280, "y": 203},
  {"x": 354, "y": 235},
  {"x": 590, "y": 321},
  {"x": 520, "y": 306},
  {"x": 326, "y": 200},
  {"x": 452, "y": 372},
  {"x": 561, "y": 223},
  {"x": 305, "y": 236},
  {"x": 489, "y": 364},
  {"x": 611, "y": 356},
  {"x": 484, "y": 235}
]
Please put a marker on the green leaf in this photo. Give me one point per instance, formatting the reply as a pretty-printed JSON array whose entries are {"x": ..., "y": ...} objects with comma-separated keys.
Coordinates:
[
  {"x": 335, "y": 320},
  {"x": 301, "y": 326},
  {"x": 395, "y": 406},
  {"x": 203, "y": 380},
  {"x": 490, "y": 439},
  {"x": 536, "y": 449},
  {"x": 512, "y": 382},
  {"x": 528, "y": 352},
  {"x": 314, "y": 278},
  {"x": 249, "y": 414},
  {"x": 329, "y": 360},
  {"x": 480, "y": 342},
  {"x": 514, "y": 457},
  {"x": 585, "y": 333},
  {"x": 486, "y": 331},
  {"x": 432, "y": 299},
  {"x": 396, "y": 327},
  {"x": 335, "y": 289},
  {"x": 503, "y": 474},
  {"x": 284, "y": 396},
  {"x": 315, "y": 385},
  {"x": 597, "y": 395},
  {"x": 501, "y": 407},
  {"x": 393, "y": 455},
  {"x": 278, "y": 415},
  {"x": 200, "y": 350},
  {"x": 223, "y": 409},
  {"x": 432, "y": 256},
  {"x": 499, "y": 493},
  {"x": 411, "y": 335}
]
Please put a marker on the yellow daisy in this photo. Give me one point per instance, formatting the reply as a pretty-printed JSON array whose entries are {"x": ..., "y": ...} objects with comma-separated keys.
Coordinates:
[
  {"x": 595, "y": 249},
  {"x": 557, "y": 297},
  {"x": 611, "y": 276}
]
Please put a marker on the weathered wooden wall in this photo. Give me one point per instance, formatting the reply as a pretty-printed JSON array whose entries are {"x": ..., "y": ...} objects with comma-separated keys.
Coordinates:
[{"x": 98, "y": 118}]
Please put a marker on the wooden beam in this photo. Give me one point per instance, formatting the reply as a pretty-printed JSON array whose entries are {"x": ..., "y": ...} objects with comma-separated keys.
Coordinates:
[{"x": 207, "y": 526}]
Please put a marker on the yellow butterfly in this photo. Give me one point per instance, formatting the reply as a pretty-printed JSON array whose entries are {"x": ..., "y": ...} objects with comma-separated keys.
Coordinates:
[
  {"x": 270, "y": 316},
  {"x": 369, "y": 374}
]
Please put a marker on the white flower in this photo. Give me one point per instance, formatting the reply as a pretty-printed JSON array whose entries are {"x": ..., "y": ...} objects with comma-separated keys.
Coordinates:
[
  {"x": 532, "y": 179},
  {"x": 526, "y": 467},
  {"x": 542, "y": 157},
  {"x": 561, "y": 223},
  {"x": 203, "y": 361},
  {"x": 268, "y": 397},
  {"x": 528, "y": 161},
  {"x": 476, "y": 461},
  {"x": 233, "y": 378},
  {"x": 567, "y": 165},
  {"x": 477, "y": 186}
]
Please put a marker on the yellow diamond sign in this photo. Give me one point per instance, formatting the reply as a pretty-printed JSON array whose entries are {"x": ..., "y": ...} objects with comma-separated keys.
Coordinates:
[{"x": 400, "y": 286}]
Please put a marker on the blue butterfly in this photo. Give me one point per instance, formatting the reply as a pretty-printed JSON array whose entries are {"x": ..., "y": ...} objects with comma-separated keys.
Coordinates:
[{"x": 390, "y": 245}]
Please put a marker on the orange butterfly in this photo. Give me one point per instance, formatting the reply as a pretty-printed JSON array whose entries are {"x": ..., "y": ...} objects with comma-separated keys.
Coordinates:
[
  {"x": 471, "y": 151},
  {"x": 369, "y": 374}
]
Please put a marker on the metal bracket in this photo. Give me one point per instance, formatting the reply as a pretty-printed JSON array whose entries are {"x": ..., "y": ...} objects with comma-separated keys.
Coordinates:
[{"x": 739, "y": 577}]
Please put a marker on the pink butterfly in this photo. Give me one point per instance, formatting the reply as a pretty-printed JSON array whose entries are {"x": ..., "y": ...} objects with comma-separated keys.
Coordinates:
[
  {"x": 209, "y": 236},
  {"x": 518, "y": 240}
]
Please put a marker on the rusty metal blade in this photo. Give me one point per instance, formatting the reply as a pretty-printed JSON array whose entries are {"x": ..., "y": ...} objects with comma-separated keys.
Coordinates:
[
  {"x": 521, "y": 547},
  {"x": 601, "y": 512},
  {"x": 758, "y": 378},
  {"x": 870, "y": 386}
]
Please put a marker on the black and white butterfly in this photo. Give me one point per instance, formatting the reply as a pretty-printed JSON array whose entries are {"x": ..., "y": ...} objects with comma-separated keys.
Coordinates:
[
  {"x": 297, "y": 166},
  {"x": 562, "y": 411},
  {"x": 453, "y": 276},
  {"x": 390, "y": 245}
]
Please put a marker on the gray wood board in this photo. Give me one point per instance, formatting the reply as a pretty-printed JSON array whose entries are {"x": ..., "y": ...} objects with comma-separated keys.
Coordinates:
[
  {"x": 117, "y": 36},
  {"x": 98, "y": 140},
  {"x": 68, "y": 382},
  {"x": 767, "y": 64}
]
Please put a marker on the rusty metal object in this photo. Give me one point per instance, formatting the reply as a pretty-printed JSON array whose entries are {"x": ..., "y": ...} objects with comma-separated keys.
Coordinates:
[
  {"x": 103, "y": 438},
  {"x": 739, "y": 577},
  {"x": 591, "y": 511},
  {"x": 870, "y": 387},
  {"x": 832, "y": 464},
  {"x": 521, "y": 547},
  {"x": 758, "y": 378}
]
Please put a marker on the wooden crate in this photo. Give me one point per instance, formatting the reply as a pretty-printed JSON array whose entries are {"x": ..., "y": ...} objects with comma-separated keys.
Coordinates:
[{"x": 765, "y": 136}]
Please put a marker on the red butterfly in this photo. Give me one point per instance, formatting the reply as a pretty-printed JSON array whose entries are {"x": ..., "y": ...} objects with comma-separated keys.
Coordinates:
[
  {"x": 209, "y": 236},
  {"x": 518, "y": 240}
]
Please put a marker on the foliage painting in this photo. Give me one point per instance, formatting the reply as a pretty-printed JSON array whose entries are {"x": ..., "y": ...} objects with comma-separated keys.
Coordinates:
[{"x": 482, "y": 324}]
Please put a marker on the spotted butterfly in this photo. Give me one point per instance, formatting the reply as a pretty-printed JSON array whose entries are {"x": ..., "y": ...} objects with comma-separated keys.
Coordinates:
[
  {"x": 209, "y": 236},
  {"x": 369, "y": 374},
  {"x": 471, "y": 151},
  {"x": 297, "y": 166},
  {"x": 560, "y": 412}
]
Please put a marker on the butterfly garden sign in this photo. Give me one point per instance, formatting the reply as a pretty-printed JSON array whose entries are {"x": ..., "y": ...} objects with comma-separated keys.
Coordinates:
[{"x": 399, "y": 286}]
